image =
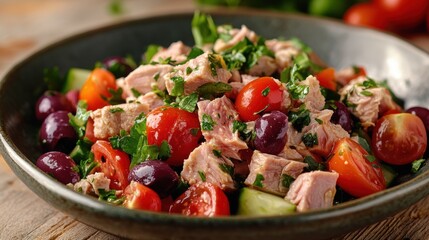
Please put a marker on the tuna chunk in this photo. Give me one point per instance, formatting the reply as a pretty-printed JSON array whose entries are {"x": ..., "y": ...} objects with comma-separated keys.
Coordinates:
[
  {"x": 207, "y": 164},
  {"x": 246, "y": 79},
  {"x": 284, "y": 52},
  {"x": 110, "y": 120},
  {"x": 313, "y": 190},
  {"x": 367, "y": 103},
  {"x": 151, "y": 100},
  {"x": 217, "y": 118},
  {"x": 314, "y": 99},
  {"x": 270, "y": 173},
  {"x": 177, "y": 52},
  {"x": 144, "y": 78},
  {"x": 265, "y": 66},
  {"x": 345, "y": 75},
  {"x": 237, "y": 35},
  {"x": 206, "y": 68},
  {"x": 92, "y": 184}
]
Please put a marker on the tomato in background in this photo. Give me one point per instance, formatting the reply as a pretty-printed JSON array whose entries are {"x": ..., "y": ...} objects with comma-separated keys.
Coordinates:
[
  {"x": 404, "y": 15},
  {"x": 138, "y": 196},
  {"x": 359, "y": 173},
  {"x": 399, "y": 138},
  {"x": 114, "y": 163},
  {"x": 202, "y": 199},
  {"x": 367, "y": 15},
  {"x": 181, "y": 130},
  {"x": 257, "y": 97},
  {"x": 96, "y": 87},
  {"x": 326, "y": 78}
]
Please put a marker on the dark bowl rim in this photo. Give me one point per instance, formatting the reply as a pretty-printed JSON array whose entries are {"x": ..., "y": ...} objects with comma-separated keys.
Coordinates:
[{"x": 14, "y": 156}]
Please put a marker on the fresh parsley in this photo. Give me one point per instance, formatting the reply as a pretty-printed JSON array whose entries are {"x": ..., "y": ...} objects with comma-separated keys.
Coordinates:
[
  {"x": 179, "y": 86},
  {"x": 189, "y": 103},
  {"x": 299, "y": 118},
  {"x": 202, "y": 175},
  {"x": 258, "y": 180},
  {"x": 116, "y": 110},
  {"x": 287, "y": 180},
  {"x": 204, "y": 29},
  {"x": 110, "y": 197},
  {"x": 78, "y": 121},
  {"x": 245, "y": 134},
  {"x": 85, "y": 167},
  {"x": 312, "y": 164},
  {"x": 213, "y": 90},
  {"x": 115, "y": 96},
  {"x": 227, "y": 169},
  {"x": 215, "y": 63},
  {"x": 150, "y": 52},
  {"x": 207, "y": 122},
  {"x": 310, "y": 139},
  {"x": 266, "y": 91},
  {"x": 416, "y": 165},
  {"x": 217, "y": 153}
]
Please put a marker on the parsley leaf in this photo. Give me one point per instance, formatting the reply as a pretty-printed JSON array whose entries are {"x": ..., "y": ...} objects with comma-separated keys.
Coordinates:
[
  {"x": 179, "y": 86},
  {"x": 78, "y": 121},
  {"x": 110, "y": 197},
  {"x": 287, "y": 180},
  {"x": 312, "y": 164},
  {"x": 204, "y": 29},
  {"x": 416, "y": 165},
  {"x": 115, "y": 98},
  {"x": 195, "y": 52},
  {"x": 227, "y": 169},
  {"x": 300, "y": 45},
  {"x": 202, "y": 175},
  {"x": 85, "y": 167},
  {"x": 299, "y": 118},
  {"x": 215, "y": 63},
  {"x": 217, "y": 153},
  {"x": 81, "y": 151},
  {"x": 150, "y": 52},
  {"x": 207, "y": 122},
  {"x": 265, "y": 91},
  {"x": 310, "y": 139},
  {"x": 245, "y": 134},
  {"x": 116, "y": 110},
  {"x": 213, "y": 90},
  {"x": 189, "y": 103},
  {"x": 258, "y": 180}
]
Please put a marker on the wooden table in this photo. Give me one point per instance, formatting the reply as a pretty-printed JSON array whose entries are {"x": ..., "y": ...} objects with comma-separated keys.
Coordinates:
[{"x": 28, "y": 24}]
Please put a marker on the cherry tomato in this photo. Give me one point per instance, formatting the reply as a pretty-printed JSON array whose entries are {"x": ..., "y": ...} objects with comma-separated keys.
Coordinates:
[
  {"x": 399, "y": 138},
  {"x": 367, "y": 15},
  {"x": 404, "y": 14},
  {"x": 96, "y": 87},
  {"x": 89, "y": 130},
  {"x": 113, "y": 163},
  {"x": 326, "y": 78},
  {"x": 359, "y": 173},
  {"x": 257, "y": 97},
  {"x": 138, "y": 196},
  {"x": 181, "y": 130},
  {"x": 202, "y": 199}
]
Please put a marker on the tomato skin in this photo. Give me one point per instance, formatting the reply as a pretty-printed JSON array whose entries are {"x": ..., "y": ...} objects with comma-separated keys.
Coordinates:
[
  {"x": 326, "y": 78},
  {"x": 202, "y": 199},
  {"x": 367, "y": 15},
  {"x": 175, "y": 126},
  {"x": 138, "y": 196},
  {"x": 399, "y": 138},
  {"x": 357, "y": 175},
  {"x": 89, "y": 130},
  {"x": 113, "y": 163},
  {"x": 254, "y": 98},
  {"x": 98, "y": 84},
  {"x": 403, "y": 15}
]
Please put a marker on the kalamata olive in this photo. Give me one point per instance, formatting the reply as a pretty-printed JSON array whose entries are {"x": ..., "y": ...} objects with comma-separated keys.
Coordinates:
[
  {"x": 51, "y": 101},
  {"x": 57, "y": 134},
  {"x": 342, "y": 116},
  {"x": 118, "y": 66},
  {"x": 59, "y": 165},
  {"x": 73, "y": 97},
  {"x": 422, "y": 113},
  {"x": 271, "y": 132},
  {"x": 157, "y": 175}
]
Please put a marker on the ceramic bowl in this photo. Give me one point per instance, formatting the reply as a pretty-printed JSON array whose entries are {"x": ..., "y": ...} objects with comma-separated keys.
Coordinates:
[{"x": 384, "y": 56}]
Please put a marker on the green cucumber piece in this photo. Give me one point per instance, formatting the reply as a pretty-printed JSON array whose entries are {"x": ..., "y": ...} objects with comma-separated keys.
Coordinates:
[
  {"x": 76, "y": 77},
  {"x": 252, "y": 202},
  {"x": 389, "y": 174}
]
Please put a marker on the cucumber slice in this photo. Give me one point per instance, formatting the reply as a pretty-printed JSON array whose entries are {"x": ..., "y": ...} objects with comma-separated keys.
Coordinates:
[
  {"x": 252, "y": 202},
  {"x": 76, "y": 77},
  {"x": 389, "y": 174}
]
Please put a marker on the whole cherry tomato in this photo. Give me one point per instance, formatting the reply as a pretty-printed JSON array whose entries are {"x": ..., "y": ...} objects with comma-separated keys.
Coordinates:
[
  {"x": 138, "y": 196},
  {"x": 399, "y": 138},
  {"x": 202, "y": 199},
  {"x": 114, "y": 163},
  {"x": 96, "y": 88},
  {"x": 258, "y": 97},
  {"x": 359, "y": 173},
  {"x": 181, "y": 130},
  {"x": 367, "y": 15}
]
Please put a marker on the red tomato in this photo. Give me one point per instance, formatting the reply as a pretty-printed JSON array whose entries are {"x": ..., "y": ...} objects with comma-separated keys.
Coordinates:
[
  {"x": 138, "y": 196},
  {"x": 358, "y": 176},
  {"x": 257, "y": 97},
  {"x": 89, "y": 130},
  {"x": 202, "y": 199},
  {"x": 399, "y": 138},
  {"x": 404, "y": 14},
  {"x": 326, "y": 78},
  {"x": 114, "y": 163},
  {"x": 96, "y": 87},
  {"x": 367, "y": 15},
  {"x": 181, "y": 130}
]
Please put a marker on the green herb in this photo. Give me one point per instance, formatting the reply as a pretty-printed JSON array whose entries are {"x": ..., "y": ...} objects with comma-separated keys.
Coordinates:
[
  {"x": 195, "y": 52},
  {"x": 194, "y": 131},
  {"x": 310, "y": 139},
  {"x": 370, "y": 158},
  {"x": 179, "y": 86},
  {"x": 312, "y": 164},
  {"x": 164, "y": 151},
  {"x": 356, "y": 69},
  {"x": 115, "y": 7},
  {"x": 189, "y": 103},
  {"x": 81, "y": 151},
  {"x": 217, "y": 153},
  {"x": 416, "y": 165},
  {"x": 207, "y": 123},
  {"x": 213, "y": 90},
  {"x": 287, "y": 180},
  {"x": 53, "y": 79},
  {"x": 215, "y": 63},
  {"x": 85, "y": 167},
  {"x": 135, "y": 92},
  {"x": 366, "y": 93},
  {"x": 258, "y": 180},
  {"x": 364, "y": 143},
  {"x": 299, "y": 118},
  {"x": 116, "y": 110},
  {"x": 110, "y": 197},
  {"x": 227, "y": 169},
  {"x": 301, "y": 45},
  {"x": 369, "y": 83},
  {"x": 319, "y": 121},
  {"x": 245, "y": 134},
  {"x": 78, "y": 121},
  {"x": 156, "y": 76},
  {"x": 188, "y": 70},
  {"x": 202, "y": 176},
  {"x": 204, "y": 29},
  {"x": 115, "y": 96},
  {"x": 238, "y": 126},
  {"x": 266, "y": 91},
  {"x": 150, "y": 52}
]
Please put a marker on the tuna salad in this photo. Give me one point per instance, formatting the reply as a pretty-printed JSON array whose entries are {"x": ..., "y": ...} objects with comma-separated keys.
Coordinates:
[{"x": 234, "y": 124}]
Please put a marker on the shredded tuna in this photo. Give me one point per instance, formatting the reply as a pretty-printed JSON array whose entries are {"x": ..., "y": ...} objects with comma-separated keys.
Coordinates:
[
  {"x": 265, "y": 66},
  {"x": 237, "y": 35},
  {"x": 177, "y": 52},
  {"x": 150, "y": 99},
  {"x": 92, "y": 184},
  {"x": 314, "y": 100}
]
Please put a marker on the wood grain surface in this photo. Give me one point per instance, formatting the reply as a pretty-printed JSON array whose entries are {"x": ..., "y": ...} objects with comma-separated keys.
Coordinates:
[{"x": 26, "y": 25}]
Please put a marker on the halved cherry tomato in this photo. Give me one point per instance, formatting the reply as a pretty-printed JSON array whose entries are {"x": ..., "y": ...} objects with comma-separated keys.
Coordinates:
[
  {"x": 181, "y": 130},
  {"x": 359, "y": 173},
  {"x": 202, "y": 199},
  {"x": 96, "y": 87},
  {"x": 138, "y": 196},
  {"x": 89, "y": 130},
  {"x": 258, "y": 97},
  {"x": 399, "y": 138},
  {"x": 366, "y": 14},
  {"x": 114, "y": 163},
  {"x": 326, "y": 78}
]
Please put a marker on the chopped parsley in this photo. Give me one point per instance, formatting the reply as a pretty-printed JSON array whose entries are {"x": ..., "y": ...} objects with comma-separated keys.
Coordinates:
[
  {"x": 287, "y": 180},
  {"x": 370, "y": 158},
  {"x": 213, "y": 89},
  {"x": 194, "y": 131},
  {"x": 258, "y": 180},
  {"x": 188, "y": 70},
  {"x": 110, "y": 197},
  {"x": 416, "y": 165},
  {"x": 204, "y": 29},
  {"x": 195, "y": 52},
  {"x": 189, "y": 103},
  {"x": 312, "y": 164},
  {"x": 301, "y": 45},
  {"x": 116, "y": 110},
  {"x": 85, "y": 167},
  {"x": 215, "y": 63},
  {"x": 366, "y": 93},
  {"x": 310, "y": 139},
  {"x": 115, "y": 96},
  {"x": 319, "y": 121},
  {"x": 135, "y": 92},
  {"x": 202, "y": 176},
  {"x": 369, "y": 83},
  {"x": 150, "y": 52},
  {"x": 245, "y": 134},
  {"x": 179, "y": 86},
  {"x": 227, "y": 169},
  {"x": 266, "y": 91},
  {"x": 300, "y": 118},
  {"x": 207, "y": 122},
  {"x": 78, "y": 121},
  {"x": 156, "y": 76},
  {"x": 217, "y": 153}
]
